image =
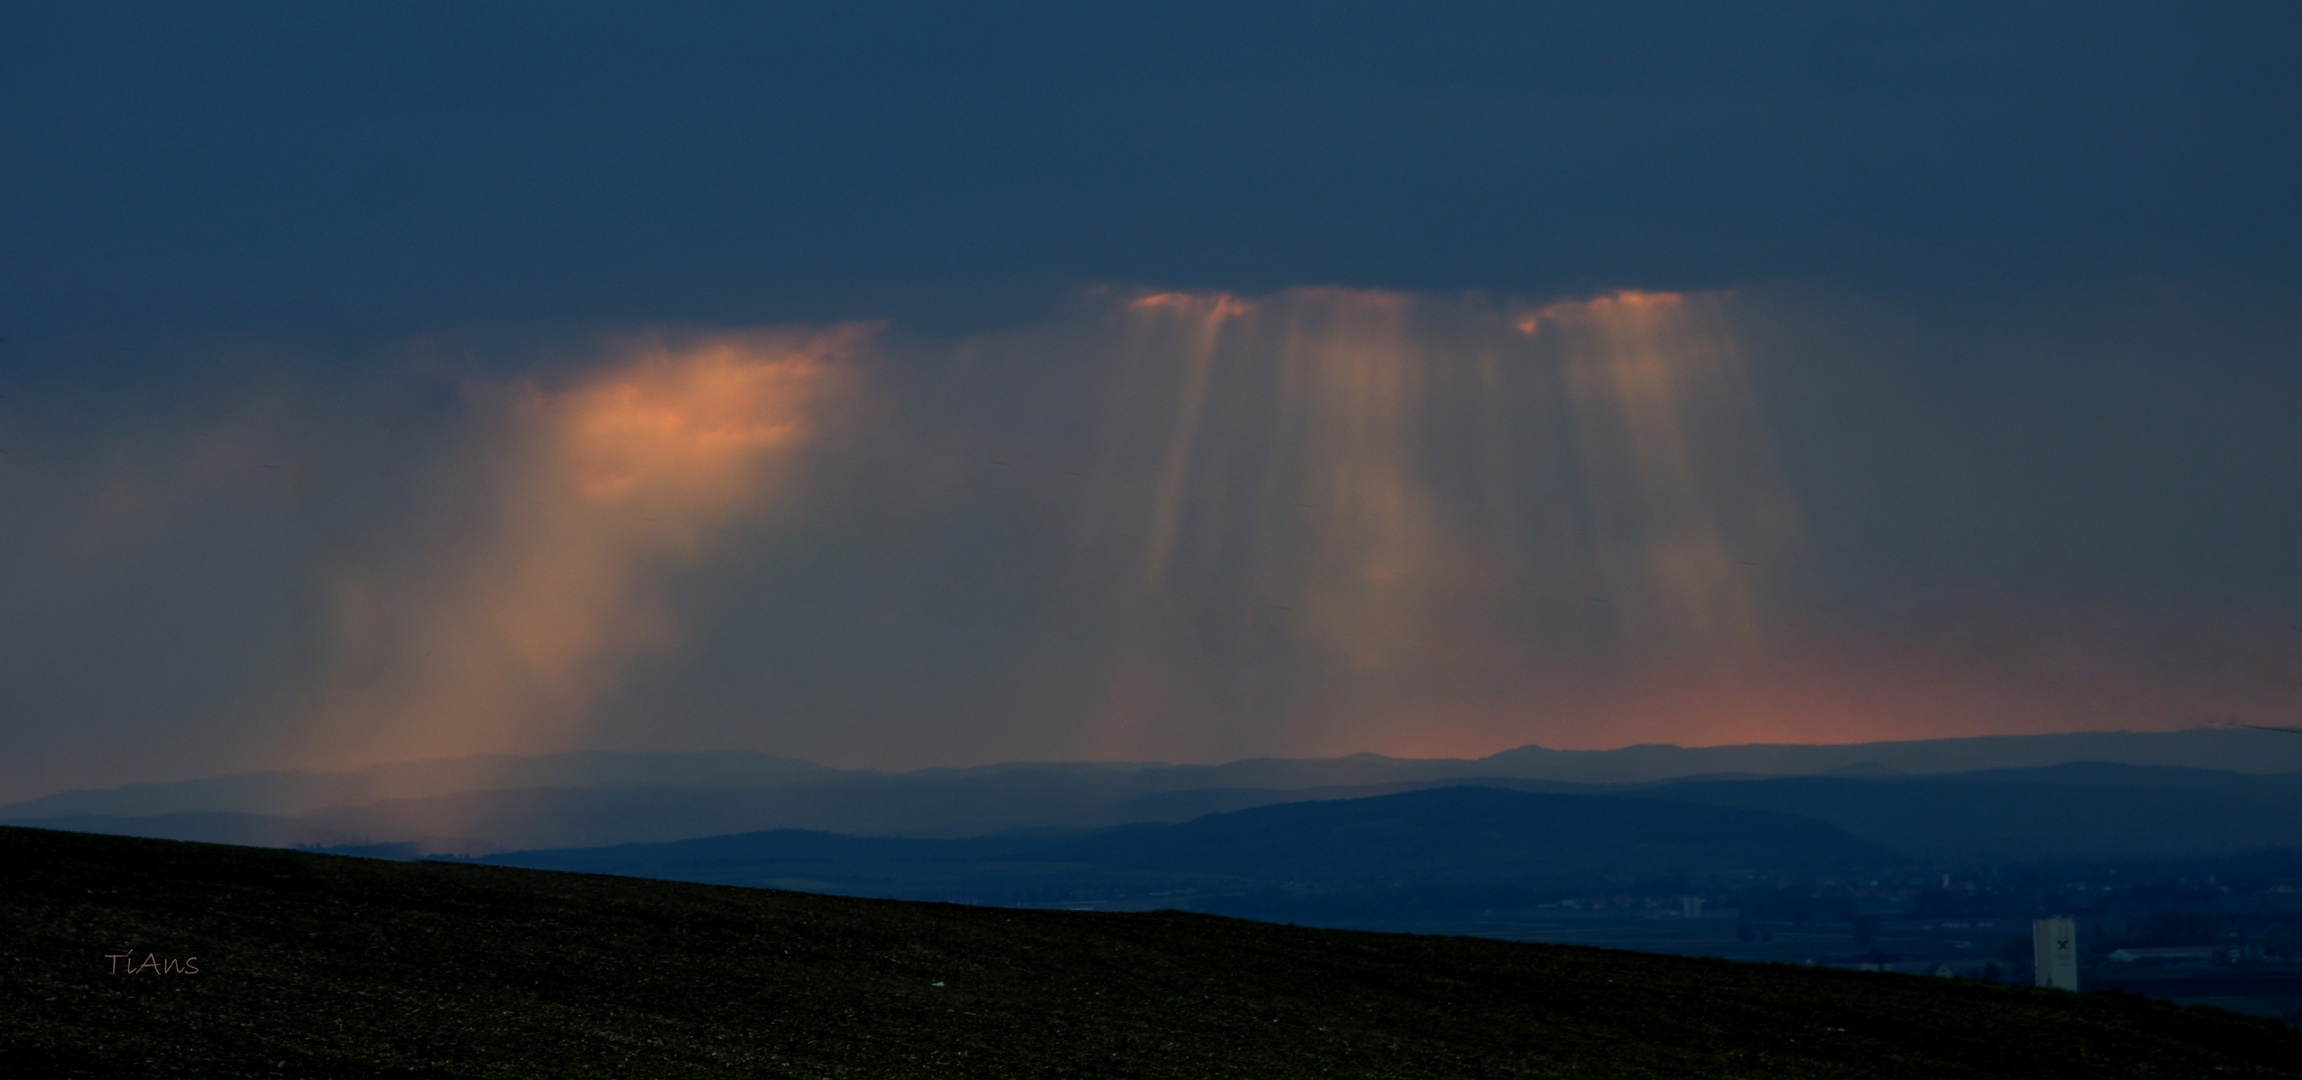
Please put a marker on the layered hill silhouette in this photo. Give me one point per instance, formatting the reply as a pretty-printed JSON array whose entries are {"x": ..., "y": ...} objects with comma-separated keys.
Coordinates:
[
  {"x": 2009, "y": 797},
  {"x": 291, "y": 792},
  {"x": 318, "y": 966},
  {"x": 1461, "y": 847}
]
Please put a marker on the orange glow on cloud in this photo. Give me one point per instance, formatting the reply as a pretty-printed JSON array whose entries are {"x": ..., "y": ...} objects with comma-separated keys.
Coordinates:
[
  {"x": 591, "y": 496},
  {"x": 1217, "y": 306}
]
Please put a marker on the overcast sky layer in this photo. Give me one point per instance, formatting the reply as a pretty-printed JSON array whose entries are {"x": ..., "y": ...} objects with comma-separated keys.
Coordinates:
[{"x": 910, "y": 384}]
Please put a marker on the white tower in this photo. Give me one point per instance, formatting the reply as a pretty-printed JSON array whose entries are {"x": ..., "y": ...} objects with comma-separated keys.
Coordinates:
[{"x": 2054, "y": 952}]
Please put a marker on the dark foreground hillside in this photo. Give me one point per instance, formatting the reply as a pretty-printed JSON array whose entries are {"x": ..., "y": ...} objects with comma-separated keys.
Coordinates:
[{"x": 322, "y": 966}]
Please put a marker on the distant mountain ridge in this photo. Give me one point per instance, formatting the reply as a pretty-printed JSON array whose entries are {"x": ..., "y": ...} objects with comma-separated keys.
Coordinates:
[
  {"x": 294, "y": 792},
  {"x": 1472, "y": 846},
  {"x": 288, "y": 793},
  {"x": 2238, "y": 750},
  {"x": 600, "y": 798}
]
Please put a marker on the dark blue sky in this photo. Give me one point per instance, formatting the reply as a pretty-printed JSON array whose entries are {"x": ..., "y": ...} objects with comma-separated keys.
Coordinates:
[
  {"x": 2014, "y": 292},
  {"x": 399, "y": 165}
]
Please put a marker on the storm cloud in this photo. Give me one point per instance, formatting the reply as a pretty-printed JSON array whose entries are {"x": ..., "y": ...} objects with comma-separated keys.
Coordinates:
[{"x": 936, "y": 384}]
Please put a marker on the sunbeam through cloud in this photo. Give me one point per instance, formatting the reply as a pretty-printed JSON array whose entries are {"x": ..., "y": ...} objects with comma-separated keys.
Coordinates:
[{"x": 557, "y": 526}]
